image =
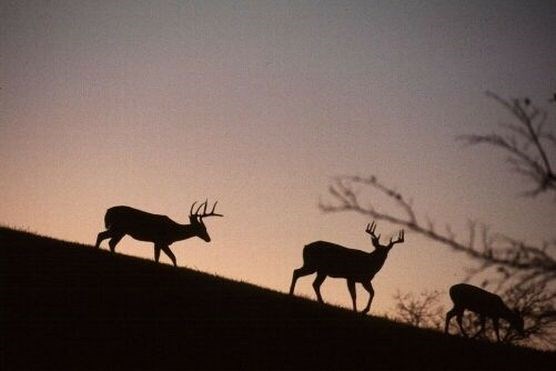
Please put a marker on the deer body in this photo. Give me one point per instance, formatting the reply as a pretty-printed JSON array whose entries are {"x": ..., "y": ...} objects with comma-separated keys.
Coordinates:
[
  {"x": 356, "y": 266},
  {"x": 144, "y": 226},
  {"x": 159, "y": 229},
  {"x": 341, "y": 262},
  {"x": 485, "y": 304}
]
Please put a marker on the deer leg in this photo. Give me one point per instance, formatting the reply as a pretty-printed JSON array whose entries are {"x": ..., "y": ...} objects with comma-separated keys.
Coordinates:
[
  {"x": 369, "y": 287},
  {"x": 156, "y": 253},
  {"x": 449, "y": 315},
  {"x": 460, "y": 322},
  {"x": 300, "y": 272},
  {"x": 101, "y": 237},
  {"x": 353, "y": 293},
  {"x": 496, "y": 328},
  {"x": 114, "y": 241},
  {"x": 170, "y": 254},
  {"x": 316, "y": 285},
  {"x": 482, "y": 321}
]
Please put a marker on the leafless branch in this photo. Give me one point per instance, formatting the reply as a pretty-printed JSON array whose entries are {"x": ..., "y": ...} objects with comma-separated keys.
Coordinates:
[
  {"x": 536, "y": 303},
  {"x": 422, "y": 310},
  {"x": 525, "y": 142}
]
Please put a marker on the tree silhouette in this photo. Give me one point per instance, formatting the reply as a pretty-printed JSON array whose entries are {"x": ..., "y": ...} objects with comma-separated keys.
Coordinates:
[
  {"x": 536, "y": 304},
  {"x": 530, "y": 146},
  {"x": 525, "y": 142},
  {"x": 422, "y": 310}
]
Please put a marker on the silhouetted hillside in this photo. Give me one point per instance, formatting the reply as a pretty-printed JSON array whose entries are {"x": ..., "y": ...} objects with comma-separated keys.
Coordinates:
[{"x": 70, "y": 306}]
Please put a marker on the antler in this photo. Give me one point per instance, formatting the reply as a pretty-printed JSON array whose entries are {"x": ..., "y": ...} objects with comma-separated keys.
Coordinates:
[
  {"x": 204, "y": 207},
  {"x": 191, "y": 211},
  {"x": 371, "y": 230},
  {"x": 376, "y": 239},
  {"x": 400, "y": 238}
]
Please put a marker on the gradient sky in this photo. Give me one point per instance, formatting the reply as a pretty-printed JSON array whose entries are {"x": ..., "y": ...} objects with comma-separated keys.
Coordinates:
[{"x": 258, "y": 104}]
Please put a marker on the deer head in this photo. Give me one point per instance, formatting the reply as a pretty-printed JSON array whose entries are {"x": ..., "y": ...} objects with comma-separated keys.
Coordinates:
[
  {"x": 196, "y": 219},
  {"x": 370, "y": 230}
]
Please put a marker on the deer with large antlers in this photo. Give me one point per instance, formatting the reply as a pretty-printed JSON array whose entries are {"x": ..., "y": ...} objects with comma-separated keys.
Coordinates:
[
  {"x": 329, "y": 259},
  {"x": 159, "y": 229}
]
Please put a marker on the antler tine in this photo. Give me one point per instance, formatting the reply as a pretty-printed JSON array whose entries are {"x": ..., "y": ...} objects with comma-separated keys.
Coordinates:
[
  {"x": 212, "y": 213},
  {"x": 213, "y": 208},
  {"x": 371, "y": 228},
  {"x": 199, "y": 208},
  {"x": 401, "y": 235},
  {"x": 192, "y": 206}
]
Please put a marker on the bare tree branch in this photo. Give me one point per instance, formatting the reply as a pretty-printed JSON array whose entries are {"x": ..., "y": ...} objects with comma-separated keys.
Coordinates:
[
  {"x": 422, "y": 310},
  {"x": 525, "y": 143},
  {"x": 536, "y": 303}
]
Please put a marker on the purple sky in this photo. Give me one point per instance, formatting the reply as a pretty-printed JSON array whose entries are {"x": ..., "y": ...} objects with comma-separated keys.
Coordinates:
[{"x": 258, "y": 105}]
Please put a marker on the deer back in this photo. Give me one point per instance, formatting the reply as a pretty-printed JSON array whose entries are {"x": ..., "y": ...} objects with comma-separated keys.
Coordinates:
[
  {"x": 478, "y": 300},
  {"x": 141, "y": 225},
  {"x": 335, "y": 260}
]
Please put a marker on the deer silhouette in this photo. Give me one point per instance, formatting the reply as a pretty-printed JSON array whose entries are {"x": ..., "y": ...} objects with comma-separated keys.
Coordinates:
[
  {"x": 159, "y": 229},
  {"x": 485, "y": 304},
  {"x": 329, "y": 259}
]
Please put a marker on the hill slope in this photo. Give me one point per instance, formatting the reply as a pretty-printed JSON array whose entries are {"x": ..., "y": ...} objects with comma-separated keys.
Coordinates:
[{"x": 69, "y": 306}]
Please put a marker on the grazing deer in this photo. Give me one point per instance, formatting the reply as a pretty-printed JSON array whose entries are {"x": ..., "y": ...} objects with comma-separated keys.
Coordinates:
[
  {"x": 159, "y": 229},
  {"x": 485, "y": 304},
  {"x": 328, "y": 259}
]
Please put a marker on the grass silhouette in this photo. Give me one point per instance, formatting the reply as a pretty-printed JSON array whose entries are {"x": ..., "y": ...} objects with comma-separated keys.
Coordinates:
[{"x": 69, "y": 306}]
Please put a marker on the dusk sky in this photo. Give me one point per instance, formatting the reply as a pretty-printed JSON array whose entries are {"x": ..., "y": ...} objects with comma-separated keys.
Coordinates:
[{"x": 259, "y": 104}]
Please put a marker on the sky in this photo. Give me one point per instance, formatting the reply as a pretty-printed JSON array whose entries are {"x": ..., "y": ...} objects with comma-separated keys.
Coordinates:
[{"x": 259, "y": 105}]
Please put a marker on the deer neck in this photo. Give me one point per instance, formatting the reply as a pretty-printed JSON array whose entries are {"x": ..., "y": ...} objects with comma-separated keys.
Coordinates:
[
  {"x": 184, "y": 231},
  {"x": 507, "y": 313},
  {"x": 377, "y": 258}
]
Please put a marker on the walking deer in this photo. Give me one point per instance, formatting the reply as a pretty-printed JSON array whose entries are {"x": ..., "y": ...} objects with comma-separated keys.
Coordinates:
[
  {"x": 159, "y": 229},
  {"x": 329, "y": 259},
  {"x": 485, "y": 304}
]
